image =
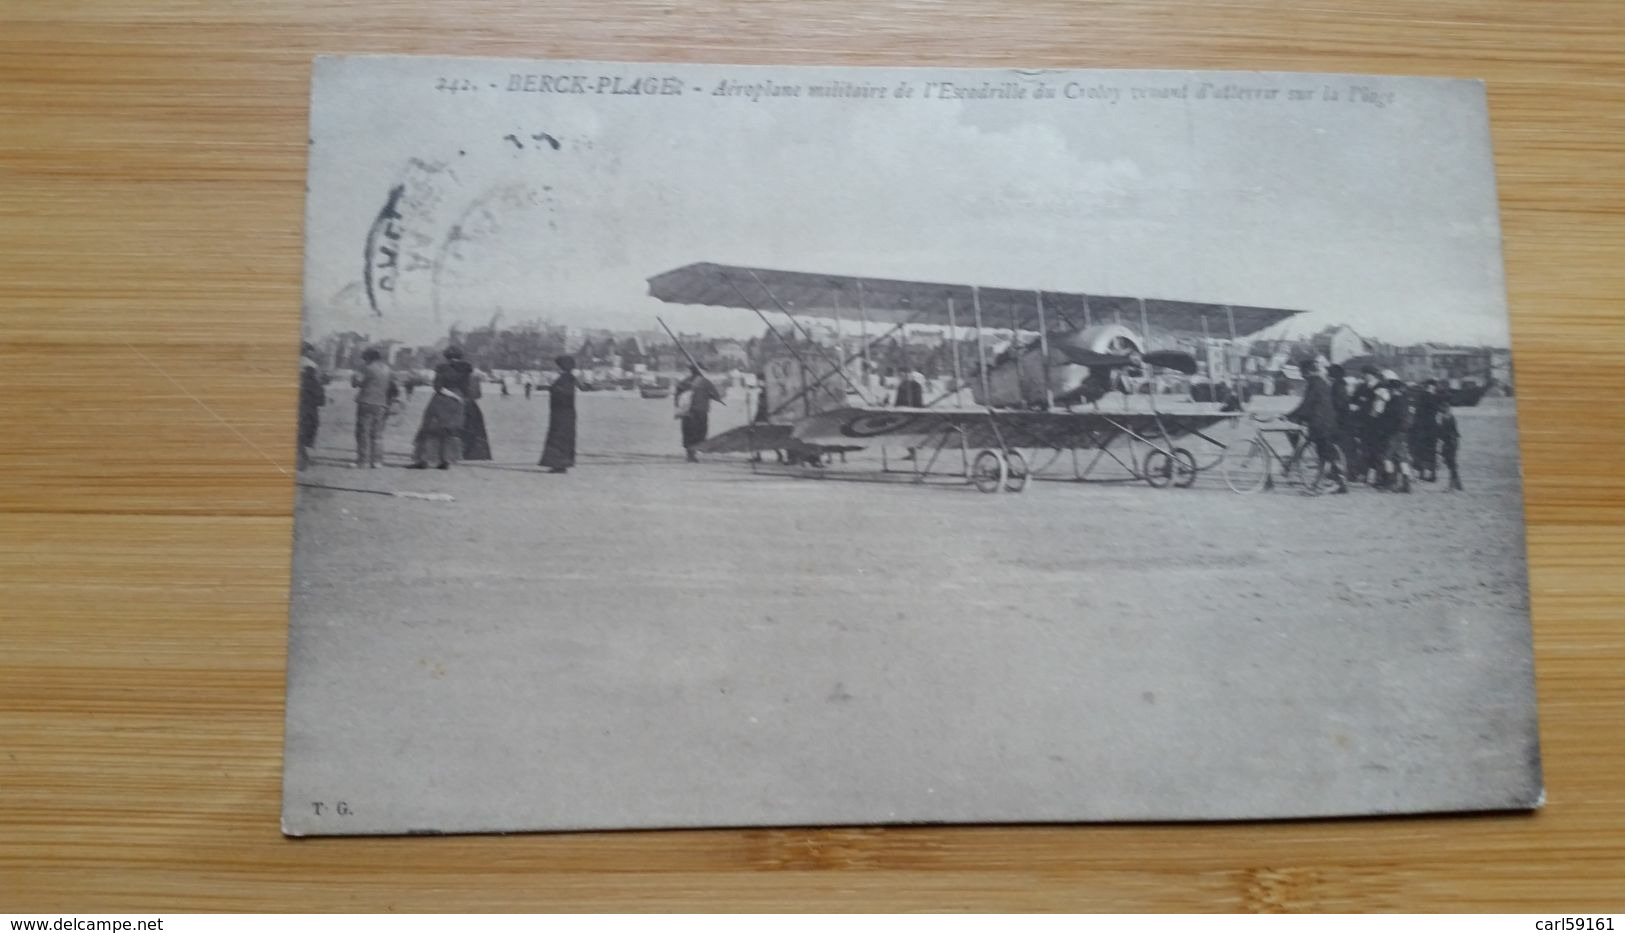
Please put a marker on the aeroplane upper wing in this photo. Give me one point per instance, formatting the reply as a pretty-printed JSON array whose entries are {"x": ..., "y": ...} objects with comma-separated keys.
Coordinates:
[
  {"x": 1057, "y": 430},
  {"x": 896, "y": 301}
]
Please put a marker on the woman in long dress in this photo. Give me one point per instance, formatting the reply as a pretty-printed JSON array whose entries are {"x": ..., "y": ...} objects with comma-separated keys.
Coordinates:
[
  {"x": 476, "y": 443},
  {"x": 311, "y": 399},
  {"x": 559, "y": 452},
  {"x": 440, "y": 435}
]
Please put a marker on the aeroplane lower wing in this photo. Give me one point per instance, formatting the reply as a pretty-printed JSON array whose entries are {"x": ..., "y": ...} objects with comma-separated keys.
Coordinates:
[
  {"x": 1054, "y": 430},
  {"x": 757, "y": 438},
  {"x": 747, "y": 438}
]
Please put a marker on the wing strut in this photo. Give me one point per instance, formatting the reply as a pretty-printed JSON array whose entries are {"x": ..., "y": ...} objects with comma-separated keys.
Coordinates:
[
  {"x": 799, "y": 326},
  {"x": 1043, "y": 348},
  {"x": 981, "y": 354},
  {"x": 953, "y": 341},
  {"x": 1235, "y": 378},
  {"x": 774, "y": 331},
  {"x": 862, "y": 353}
]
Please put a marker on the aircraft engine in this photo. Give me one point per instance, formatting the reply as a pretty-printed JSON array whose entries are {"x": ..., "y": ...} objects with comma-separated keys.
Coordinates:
[
  {"x": 1102, "y": 338},
  {"x": 1016, "y": 380}
]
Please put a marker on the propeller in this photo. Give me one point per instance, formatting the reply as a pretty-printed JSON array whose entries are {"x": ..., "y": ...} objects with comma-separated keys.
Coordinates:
[{"x": 1176, "y": 360}]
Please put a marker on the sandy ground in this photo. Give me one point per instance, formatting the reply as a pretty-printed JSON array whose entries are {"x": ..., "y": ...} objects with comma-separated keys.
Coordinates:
[{"x": 645, "y": 642}]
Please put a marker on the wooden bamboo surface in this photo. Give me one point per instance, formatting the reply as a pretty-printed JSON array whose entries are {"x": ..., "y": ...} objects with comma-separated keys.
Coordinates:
[{"x": 151, "y": 192}]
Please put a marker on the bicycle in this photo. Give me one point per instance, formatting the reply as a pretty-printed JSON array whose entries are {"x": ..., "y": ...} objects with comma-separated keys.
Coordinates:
[{"x": 1248, "y": 466}]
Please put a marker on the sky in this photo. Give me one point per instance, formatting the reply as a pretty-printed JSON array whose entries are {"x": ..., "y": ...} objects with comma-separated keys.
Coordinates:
[{"x": 1376, "y": 209}]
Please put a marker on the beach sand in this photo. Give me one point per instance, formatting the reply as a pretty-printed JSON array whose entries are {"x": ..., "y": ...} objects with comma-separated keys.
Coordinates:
[{"x": 645, "y": 642}]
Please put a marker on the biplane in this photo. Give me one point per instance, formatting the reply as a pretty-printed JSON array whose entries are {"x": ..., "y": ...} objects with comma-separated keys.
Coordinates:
[{"x": 1040, "y": 391}]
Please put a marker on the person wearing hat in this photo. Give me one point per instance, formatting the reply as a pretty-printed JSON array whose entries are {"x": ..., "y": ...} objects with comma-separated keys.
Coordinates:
[
  {"x": 559, "y": 450},
  {"x": 312, "y": 396},
  {"x": 476, "y": 443},
  {"x": 1394, "y": 414},
  {"x": 1319, "y": 419},
  {"x": 1449, "y": 436},
  {"x": 440, "y": 434},
  {"x": 1343, "y": 412},
  {"x": 1424, "y": 425},
  {"x": 375, "y": 390},
  {"x": 693, "y": 399},
  {"x": 910, "y": 390},
  {"x": 910, "y": 394},
  {"x": 1364, "y": 426}
]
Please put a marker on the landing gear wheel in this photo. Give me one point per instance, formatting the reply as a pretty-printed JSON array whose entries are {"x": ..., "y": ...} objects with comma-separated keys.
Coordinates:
[
  {"x": 1158, "y": 468},
  {"x": 989, "y": 471},
  {"x": 1161, "y": 469},
  {"x": 1015, "y": 478},
  {"x": 1184, "y": 468}
]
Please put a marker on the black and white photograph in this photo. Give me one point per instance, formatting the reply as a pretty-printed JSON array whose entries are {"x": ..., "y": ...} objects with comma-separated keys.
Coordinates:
[{"x": 703, "y": 445}]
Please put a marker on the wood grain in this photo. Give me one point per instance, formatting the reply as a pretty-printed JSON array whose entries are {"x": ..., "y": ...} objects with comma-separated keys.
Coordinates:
[{"x": 151, "y": 189}]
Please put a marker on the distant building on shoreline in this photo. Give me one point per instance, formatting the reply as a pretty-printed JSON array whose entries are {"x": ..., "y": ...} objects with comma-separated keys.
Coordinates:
[
  {"x": 640, "y": 354},
  {"x": 1339, "y": 343}
]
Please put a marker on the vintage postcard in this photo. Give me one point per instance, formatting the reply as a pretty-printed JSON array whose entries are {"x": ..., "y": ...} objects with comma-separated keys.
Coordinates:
[{"x": 695, "y": 445}]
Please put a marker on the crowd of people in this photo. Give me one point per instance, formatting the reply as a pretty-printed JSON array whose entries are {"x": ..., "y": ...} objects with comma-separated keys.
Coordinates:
[
  {"x": 452, "y": 428},
  {"x": 1373, "y": 429},
  {"x": 1386, "y": 431}
]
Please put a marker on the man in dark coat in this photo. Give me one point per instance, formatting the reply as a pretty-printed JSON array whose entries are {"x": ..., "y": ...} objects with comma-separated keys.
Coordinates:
[
  {"x": 910, "y": 393},
  {"x": 1341, "y": 408},
  {"x": 1319, "y": 419},
  {"x": 312, "y": 396},
  {"x": 1449, "y": 437},
  {"x": 1367, "y": 430},
  {"x": 1424, "y": 431},
  {"x": 696, "y": 420},
  {"x": 559, "y": 450},
  {"x": 1394, "y": 417}
]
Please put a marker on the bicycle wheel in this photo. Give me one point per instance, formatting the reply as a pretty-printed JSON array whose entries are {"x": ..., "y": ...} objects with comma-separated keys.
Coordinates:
[
  {"x": 1292, "y": 472},
  {"x": 1315, "y": 474},
  {"x": 1015, "y": 475},
  {"x": 1213, "y": 464},
  {"x": 989, "y": 471},
  {"x": 1303, "y": 469},
  {"x": 1246, "y": 467}
]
